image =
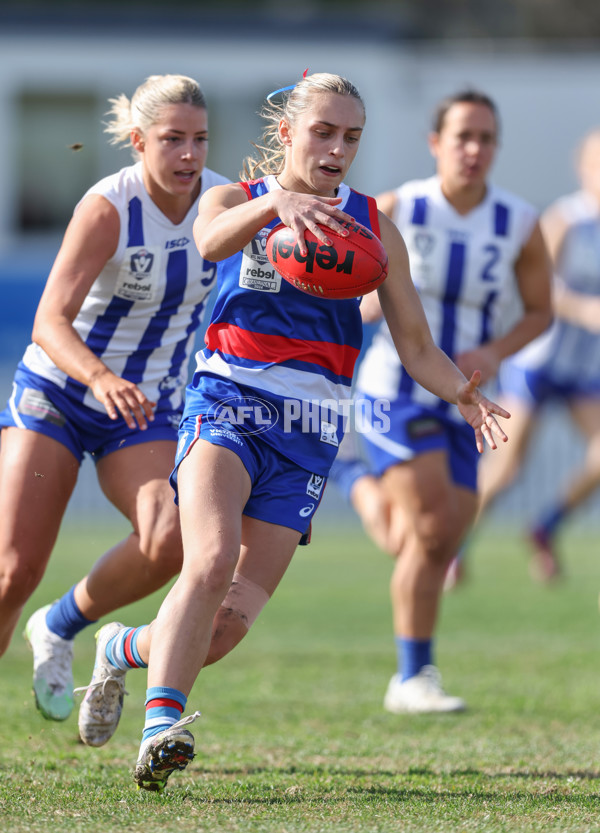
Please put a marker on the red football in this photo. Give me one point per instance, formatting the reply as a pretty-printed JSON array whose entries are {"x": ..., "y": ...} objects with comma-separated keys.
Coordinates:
[{"x": 351, "y": 267}]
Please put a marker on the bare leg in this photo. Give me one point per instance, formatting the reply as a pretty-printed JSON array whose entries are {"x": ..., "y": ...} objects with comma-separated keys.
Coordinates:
[
  {"x": 586, "y": 415},
  {"x": 37, "y": 477},
  {"x": 135, "y": 480},
  {"x": 214, "y": 487},
  {"x": 371, "y": 505},
  {"x": 498, "y": 468},
  {"x": 435, "y": 516},
  {"x": 546, "y": 564},
  {"x": 430, "y": 515}
]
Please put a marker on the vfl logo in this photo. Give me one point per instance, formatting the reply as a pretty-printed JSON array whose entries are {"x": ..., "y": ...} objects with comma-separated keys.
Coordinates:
[
  {"x": 424, "y": 243},
  {"x": 140, "y": 263},
  {"x": 329, "y": 434},
  {"x": 315, "y": 486},
  {"x": 249, "y": 414},
  {"x": 306, "y": 510},
  {"x": 257, "y": 248}
]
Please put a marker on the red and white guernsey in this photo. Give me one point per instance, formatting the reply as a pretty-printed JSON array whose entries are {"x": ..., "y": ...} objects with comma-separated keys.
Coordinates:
[{"x": 293, "y": 351}]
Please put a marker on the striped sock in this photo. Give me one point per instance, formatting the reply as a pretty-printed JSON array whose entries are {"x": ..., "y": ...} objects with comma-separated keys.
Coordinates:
[
  {"x": 122, "y": 652},
  {"x": 164, "y": 707}
]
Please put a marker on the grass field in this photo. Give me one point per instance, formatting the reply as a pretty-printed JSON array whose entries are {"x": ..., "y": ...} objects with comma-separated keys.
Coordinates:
[{"x": 293, "y": 735}]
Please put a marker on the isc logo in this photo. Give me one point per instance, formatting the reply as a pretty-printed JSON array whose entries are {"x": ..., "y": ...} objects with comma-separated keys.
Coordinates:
[
  {"x": 325, "y": 257},
  {"x": 177, "y": 244}
]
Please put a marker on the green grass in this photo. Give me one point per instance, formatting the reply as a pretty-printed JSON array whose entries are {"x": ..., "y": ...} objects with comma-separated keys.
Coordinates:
[{"x": 293, "y": 735}]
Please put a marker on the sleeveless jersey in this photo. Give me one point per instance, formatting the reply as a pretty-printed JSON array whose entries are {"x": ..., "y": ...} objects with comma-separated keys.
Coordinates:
[
  {"x": 567, "y": 351},
  {"x": 293, "y": 350},
  {"x": 463, "y": 269},
  {"x": 143, "y": 309}
]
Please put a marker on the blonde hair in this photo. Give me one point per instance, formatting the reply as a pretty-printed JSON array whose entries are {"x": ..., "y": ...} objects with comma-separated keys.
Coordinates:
[
  {"x": 270, "y": 157},
  {"x": 146, "y": 105}
]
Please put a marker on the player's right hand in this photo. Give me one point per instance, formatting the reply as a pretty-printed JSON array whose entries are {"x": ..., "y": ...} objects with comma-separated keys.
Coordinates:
[{"x": 122, "y": 397}]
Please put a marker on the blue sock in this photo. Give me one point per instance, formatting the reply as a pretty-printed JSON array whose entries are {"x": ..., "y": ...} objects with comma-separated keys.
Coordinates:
[
  {"x": 413, "y": 654},
  {"x": 122, "y": 652},
  {"x": 551, "y": 520},
  {"x": 65, "y": 619},
  {"x": 344, "y": 473},
  {"x": 164, "y": 707}
]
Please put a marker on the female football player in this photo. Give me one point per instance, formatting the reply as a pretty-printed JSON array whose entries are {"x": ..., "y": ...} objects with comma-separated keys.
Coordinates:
[
  {"x": 105, "y": 376},
  {"x": 247, "y": 498},
  {"x": 562, "y": 365},
  {"x": 476, "y": 251}
]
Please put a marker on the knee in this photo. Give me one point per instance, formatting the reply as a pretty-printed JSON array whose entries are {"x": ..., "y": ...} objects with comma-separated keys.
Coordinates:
[
  {"x": 438, "y": 533},
  {"x": 209, "y": 572},
  {"x": 162, "y": 546},
  {"x": 18, "y": 579}
]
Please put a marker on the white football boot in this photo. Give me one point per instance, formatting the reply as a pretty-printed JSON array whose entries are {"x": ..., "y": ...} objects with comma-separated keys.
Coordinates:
[
  {"x": 420, "y": 694},
  {"x": 52, "y": 667},
  {"x": 101, "y": 707}
]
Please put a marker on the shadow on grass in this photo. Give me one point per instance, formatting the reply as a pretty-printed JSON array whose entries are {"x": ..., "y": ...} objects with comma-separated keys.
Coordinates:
[{"x": 354, "y": 772}]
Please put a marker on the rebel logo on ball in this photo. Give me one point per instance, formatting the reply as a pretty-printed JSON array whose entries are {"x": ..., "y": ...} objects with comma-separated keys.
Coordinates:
[{"x": 324, "y": 257}]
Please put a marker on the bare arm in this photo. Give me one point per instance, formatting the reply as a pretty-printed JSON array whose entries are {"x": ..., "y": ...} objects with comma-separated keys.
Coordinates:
[
  {"x": 227, "y": 220},
  {"x": 424, "y": 361},
  {"x": 577, "y": 308},
  {"x": 89, "y": 242},
  {"x": 370, "y": 306},
  {"x": 387, "y": 203}
]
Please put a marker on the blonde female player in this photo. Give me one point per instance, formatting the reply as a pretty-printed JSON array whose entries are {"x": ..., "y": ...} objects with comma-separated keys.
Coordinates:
[
  {"x": 105, "y": 376},
  {"x": 273, "y": 343}
]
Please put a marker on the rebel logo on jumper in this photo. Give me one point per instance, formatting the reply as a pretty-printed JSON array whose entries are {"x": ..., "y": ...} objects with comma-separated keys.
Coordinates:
[{"x": 256, "y": 273}]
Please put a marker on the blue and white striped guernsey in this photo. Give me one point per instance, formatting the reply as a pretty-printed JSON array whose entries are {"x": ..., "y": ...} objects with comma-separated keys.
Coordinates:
[
  {"x": 463, "y": 269},
  {"x": 141, "y": 313},
  {"x": 566, "y": 351}
]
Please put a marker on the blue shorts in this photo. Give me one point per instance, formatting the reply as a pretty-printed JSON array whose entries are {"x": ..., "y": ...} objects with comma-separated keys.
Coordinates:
[
  {"x": 282, "y": 492},
  {"x": 535, "y": 386},
  {"x": 41, "y": 406},
  {"x": 415, "y": 430}
]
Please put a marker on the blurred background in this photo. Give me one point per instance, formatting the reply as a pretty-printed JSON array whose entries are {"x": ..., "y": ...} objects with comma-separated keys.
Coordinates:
[{"x": 60, "y": 62}]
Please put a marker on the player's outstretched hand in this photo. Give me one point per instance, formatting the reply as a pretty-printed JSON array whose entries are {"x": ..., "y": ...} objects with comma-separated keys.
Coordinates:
[{"x": 479, "y": 413}]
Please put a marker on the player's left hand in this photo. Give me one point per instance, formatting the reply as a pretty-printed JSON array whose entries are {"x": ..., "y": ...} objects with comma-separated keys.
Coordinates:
[{"x": 479, "y": 412}]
